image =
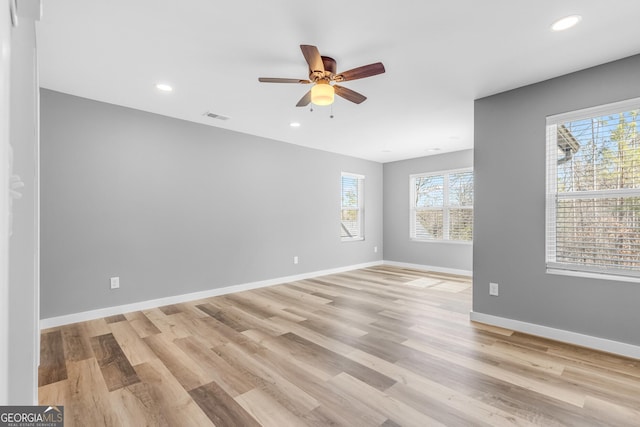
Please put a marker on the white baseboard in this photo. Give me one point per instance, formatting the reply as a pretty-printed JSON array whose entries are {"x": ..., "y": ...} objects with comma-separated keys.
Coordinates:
[
  {"x": 429, "y": 268},
  {"x": 159, "y": 302},
  {"x": 602, "y": 344}
]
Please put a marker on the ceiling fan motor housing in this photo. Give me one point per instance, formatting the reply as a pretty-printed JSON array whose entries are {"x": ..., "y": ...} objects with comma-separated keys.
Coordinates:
[{"x": 329, "y": 70}]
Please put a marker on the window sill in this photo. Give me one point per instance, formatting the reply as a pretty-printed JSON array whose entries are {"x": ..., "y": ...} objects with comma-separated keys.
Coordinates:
[
  {"x": 352, "y": 239},
  {"x": 589, "y": 275},
  {"x": 453, "y": 242}
]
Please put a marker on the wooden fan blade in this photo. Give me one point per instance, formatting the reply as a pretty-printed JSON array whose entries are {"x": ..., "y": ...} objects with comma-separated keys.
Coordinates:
[
  {"x": 305, "y": 100},
  {"x": 279, "y": 80},
  {"x": 361, "y": 72},
  {"x": 349, "y": 95},
  {"x": 313, "y": 58}
]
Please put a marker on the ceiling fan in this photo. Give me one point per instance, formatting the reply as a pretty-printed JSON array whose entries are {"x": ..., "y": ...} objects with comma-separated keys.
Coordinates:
[{"x": 322, "y": 72}]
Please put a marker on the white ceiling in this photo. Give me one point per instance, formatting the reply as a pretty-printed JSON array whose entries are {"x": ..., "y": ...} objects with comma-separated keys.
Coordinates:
[{"x": 439, "y": 55}]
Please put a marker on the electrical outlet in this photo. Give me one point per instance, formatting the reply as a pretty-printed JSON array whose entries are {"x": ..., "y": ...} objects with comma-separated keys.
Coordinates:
[
  {"x": 375, "y": 249},
  {"x": 295, "y": 259},
  {"x": 115, "y": 282},
  {"x": 493, "y": 289}
]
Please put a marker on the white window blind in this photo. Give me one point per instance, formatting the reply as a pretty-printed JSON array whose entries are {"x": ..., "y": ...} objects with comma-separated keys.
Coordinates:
[
  {"x": 352, "y": 207},
  {"x": 442, "y": 206},
  {"x": 593, "y": 190}
]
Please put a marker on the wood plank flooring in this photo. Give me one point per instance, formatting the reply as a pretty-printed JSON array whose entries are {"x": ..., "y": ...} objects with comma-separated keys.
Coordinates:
[{"x": 380, "y": 346}]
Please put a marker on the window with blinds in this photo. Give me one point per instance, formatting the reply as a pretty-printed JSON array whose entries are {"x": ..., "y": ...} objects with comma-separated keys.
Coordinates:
[
  {"x": 442, "y": 206},
  {"x": 352, "y": 207},
  {"x": 593, "y": 190}
]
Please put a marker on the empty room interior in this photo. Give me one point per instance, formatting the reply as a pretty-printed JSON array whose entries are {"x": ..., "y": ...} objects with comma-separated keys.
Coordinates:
[{"x": 337, "y": 213}]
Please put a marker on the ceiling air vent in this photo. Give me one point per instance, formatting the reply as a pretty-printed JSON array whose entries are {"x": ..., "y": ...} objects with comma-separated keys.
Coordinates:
[{"x": 216, "y": 116}]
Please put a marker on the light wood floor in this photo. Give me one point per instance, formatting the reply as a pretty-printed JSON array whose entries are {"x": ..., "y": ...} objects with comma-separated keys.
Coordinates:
[{"x": 374, "y": 347}]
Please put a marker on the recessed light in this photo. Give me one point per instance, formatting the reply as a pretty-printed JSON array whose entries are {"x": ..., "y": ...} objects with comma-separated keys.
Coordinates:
[
  {"x": 164, "y": 87},
  {"x": 566, "y": 23},
  {"x": 294, "y": 124}
]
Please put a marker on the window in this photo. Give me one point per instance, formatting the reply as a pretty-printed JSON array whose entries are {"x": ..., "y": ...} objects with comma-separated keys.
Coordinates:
[
  {"x": 352, "y": 206},
  {"x": 442, "y": 206},
  {"x": 593, "y": 191}
]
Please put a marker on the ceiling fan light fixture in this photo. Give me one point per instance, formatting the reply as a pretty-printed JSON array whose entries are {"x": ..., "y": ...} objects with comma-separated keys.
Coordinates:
[{"x": 322, "y": 93}]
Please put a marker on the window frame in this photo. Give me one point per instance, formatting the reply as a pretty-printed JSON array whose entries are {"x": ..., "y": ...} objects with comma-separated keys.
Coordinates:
[
  {"x": 446, "y": 206},
  {"x": 360, "y": 208},
  {"x": 553, "y": 196}
]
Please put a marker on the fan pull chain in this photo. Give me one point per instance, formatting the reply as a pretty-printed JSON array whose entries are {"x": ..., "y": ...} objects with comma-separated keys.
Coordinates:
[{"x": 331, "y": 115}]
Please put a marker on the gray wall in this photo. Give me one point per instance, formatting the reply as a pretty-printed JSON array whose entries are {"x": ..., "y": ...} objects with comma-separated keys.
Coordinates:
[
  {"x": 397, "y": 245},
  {"x": 173, "y": 207},
  {"x": 23, "y": 295},
  {"x": 509, "y": 233}
]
